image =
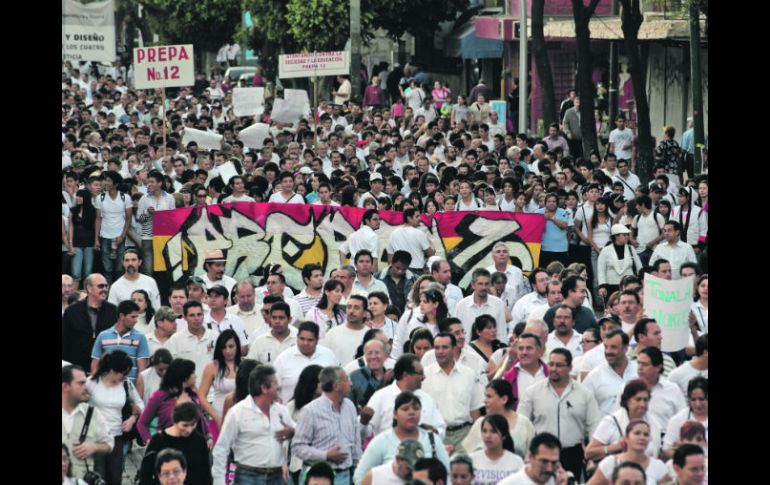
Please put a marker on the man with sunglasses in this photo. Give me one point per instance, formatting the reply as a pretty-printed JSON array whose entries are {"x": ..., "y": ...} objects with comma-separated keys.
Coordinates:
[{"x": 84, "y": 320}]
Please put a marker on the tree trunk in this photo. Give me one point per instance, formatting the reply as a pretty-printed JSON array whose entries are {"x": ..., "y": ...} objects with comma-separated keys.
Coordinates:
[
  {"x": 586, "y": 89},
  {"x": 631, "y": 18},
  {"x": 540, "y": 49}
]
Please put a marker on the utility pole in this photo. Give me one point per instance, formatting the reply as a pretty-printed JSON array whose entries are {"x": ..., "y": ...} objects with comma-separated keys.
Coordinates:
[
  {"x": 695, "y": 83},
  {"x": 523, "y": 68},
  {"x": 613, "y": 87},
  {"x": 355, "y": 49}
]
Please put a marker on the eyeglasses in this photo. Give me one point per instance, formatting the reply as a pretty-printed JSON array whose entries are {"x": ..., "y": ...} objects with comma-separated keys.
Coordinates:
[{"x": 589, "y": 342}]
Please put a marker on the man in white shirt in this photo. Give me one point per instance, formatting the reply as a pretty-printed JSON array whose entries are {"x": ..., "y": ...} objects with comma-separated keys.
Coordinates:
[
  {"x": 133, "y": 280},
  {"x": 517, "y": 282},
  {"x": 462, "y": 354},
  {"x": 408, "y": 376},
  {"x": 255, "y": 429},
  {"x": 365, "y": 282},
  {"x": 607, "y": 380},
  {"x": 195, "y": 342},
  {"x": 621, "y": 140},
  {"x": 630, "y": 304},
  {"x": 292, "y": 361},
  {"x": 219, "y": 319},
  {"x": 237, "y": 191},
  {"x": 480, "y": 302},
  {"x": 245, "y": 308},
  {"x": 442, "y": 381},
  {"x": 214, "y": 266},
  {"x": 538, "y": 279},
  {"x": 665, "y": 397},
  {"x": 276, "y": 286},
  {"x": 267, "y": 347},
  {"x": 674, "y": 250},
  {"x": 410, "y": 239},
  {"x": 364, "y": 238},
  {"x": 344, "y": 340},
  {"x": 287, "y": 195},
  {"x": 629, "y": 180},
  {"x": 697, "y": 367},
  {"x": 543, "y": 464},
  {"x": 595, "y": 357},
  {"x": 113, "y": 220},
  {"x": 647, "y": 228},
  {"x": 564, "y": 335},
  {"x": 442, "y": 271},
  {"x": 165, "y": 327}
]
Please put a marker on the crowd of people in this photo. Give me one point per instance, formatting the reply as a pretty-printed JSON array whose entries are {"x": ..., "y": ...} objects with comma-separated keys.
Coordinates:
[{"x": 381, "y": 370}]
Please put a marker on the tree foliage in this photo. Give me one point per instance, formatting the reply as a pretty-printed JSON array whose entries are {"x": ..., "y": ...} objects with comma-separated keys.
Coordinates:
[
  {"x": 416, "y": 17},
  {"x": 207, "y": 24}
]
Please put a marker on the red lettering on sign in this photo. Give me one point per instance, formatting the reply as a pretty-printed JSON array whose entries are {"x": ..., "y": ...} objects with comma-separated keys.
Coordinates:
[
  {"x": 171, "y": 52},
  {"x": 183, "y": 55},
  {"x": 162, "y": 54},
  {"x": 151, "y": 74},
  {"x": 150, "y": 55},
  {"x": 140, "y": 54},
  {"x": 174, "y": 72}
]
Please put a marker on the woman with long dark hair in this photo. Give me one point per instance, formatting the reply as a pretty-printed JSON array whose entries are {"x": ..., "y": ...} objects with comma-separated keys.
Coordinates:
[
  {"x": 697, "y": 410},
  {"x": 220, "y": 373},
  {"x": 308, "y": 388},
  {"x": 433, "y": 308},
  {"x": 177, "y": 386},
  {"x": 144, "y": 321},
  {"x": 499, "y": 399},
  {"x": 84, "y": 239},
  {"x": 114, "y": 396},
  {"x": 664, "y": 209},
  {"x": 700, "y": 307},
  {"x": 692, "y": 219},
  {"x": 328, "y": 313},
  {"x": 496, "y": 460}
]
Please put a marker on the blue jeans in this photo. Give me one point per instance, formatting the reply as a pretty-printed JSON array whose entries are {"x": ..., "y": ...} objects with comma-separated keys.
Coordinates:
[
  {"x": 113, "y": 268},
  {"x": 82, "y": 263},
  {"x": 245, "y": 477}
]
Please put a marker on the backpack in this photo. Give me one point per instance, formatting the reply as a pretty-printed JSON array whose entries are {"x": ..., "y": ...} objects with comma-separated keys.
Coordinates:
[{"x": 103, "y": 195}]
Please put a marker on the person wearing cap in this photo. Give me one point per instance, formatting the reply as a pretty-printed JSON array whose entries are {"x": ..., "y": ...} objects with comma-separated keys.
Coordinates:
[
  {"x": 398, "y": 470},
  {"x": 214, "y": 266},
  {"x": 376, "y": 185},
  {"x": 219, "y": 319},
  {"x": 616, "y": 260},
  {"x": 164, "y": 328},
  {"x": 156, "y": 200}
]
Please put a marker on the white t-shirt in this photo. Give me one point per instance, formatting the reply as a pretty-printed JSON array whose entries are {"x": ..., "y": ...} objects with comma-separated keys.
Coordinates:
[
  {"x": 521, "y": 478},
  {"x": 113, "y": 214},
  {"x": 621, "y": 139},
  {"x": 682, "y": 375},
  {"x": 344, "y": 342},
  {"x": 648, "y": 229},
  {"x": 490, "y": 472},
  {"x": 122, "y": 289},
  {"x": 294, "y": 199},
  {"x": 411, "y": 240}
]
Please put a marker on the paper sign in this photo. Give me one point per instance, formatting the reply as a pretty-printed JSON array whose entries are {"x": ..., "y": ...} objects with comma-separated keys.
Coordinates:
[
  {"x": 298, "y": 97},
  {"x": 227, "y": 171},
  {"x": 164, "y": 66},
  {"x": 204, "y": 139},
  {"x": 669, "y": 302},
  {"x": 254, "y": 136},
  {"x": 248, "y": 101},
  {"x": 314, "y": 64},
  {"x": 287, "y": 110}
]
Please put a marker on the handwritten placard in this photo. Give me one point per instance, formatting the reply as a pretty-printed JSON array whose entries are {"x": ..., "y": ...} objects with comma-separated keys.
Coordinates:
[{"x": 669, "y": 302}]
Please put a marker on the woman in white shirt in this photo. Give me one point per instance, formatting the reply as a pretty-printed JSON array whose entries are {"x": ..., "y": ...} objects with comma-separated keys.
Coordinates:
[
  {"x": 599, "y": 232},
  {"x": 107, "y": 391},
  {"x": 148, "y": 381},
  {"x": 615, "y": 261},
  {"x": 497, "y": 460},
  {"x": 700, "y": 308},
  {"x": 145, "y": 322},
  {"x": 328, "y": 313},
  {"x": 698, "y": 411},
  {"x": 691, "y": 217},
  {"x": 637, "y": 439}
]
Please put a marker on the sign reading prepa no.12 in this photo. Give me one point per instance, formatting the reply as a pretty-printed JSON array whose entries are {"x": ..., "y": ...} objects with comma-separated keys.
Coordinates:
[{"x": 164, "y": 66}]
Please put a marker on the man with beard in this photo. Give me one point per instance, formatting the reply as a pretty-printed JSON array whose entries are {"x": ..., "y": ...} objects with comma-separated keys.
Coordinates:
[
  {"x": 214, "y": 266},
  {"x": 607, "y": 381},
  {"x": 133, "y": 280},
  {"x": 245, "y": 309},
  {"x": 84, "y": 320},
  {"x": 561, "y": 406},
  {"x": 538, "y": 279}
]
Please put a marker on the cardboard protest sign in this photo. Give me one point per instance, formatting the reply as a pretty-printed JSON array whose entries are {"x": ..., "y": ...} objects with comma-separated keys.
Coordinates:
[
  {"x": 204, "y": 139},
  {"x": 669, "y": 302},
  {"x": 88, "y": 31},
  {"x": 164, "y": 66},
  {"x": 248, "y": 101},
  {"x": 254, "y": 136}
]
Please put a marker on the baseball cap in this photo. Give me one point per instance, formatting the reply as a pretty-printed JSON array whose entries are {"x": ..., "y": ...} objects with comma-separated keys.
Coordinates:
[
  {"x": 410, "y": 451},
  {"x": 197, "y": 281},
  {"x": 611, "y": 318},
  {"x": 166, "y": 313},
  {"x": 619, "y": 229},
  {"x": 375, "y": 176},
  {"x": 306, "y": 171}
]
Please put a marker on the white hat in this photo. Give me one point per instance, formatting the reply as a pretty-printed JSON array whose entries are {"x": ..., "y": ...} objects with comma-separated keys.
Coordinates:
[
  {"x": 375, "y": 176},
  {"x": 306, "y": 171},
  {"x": 619, "y": 229}
]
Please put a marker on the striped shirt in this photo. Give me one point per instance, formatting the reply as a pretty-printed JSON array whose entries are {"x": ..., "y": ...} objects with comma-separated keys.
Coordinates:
[
  {"x": 133, "y": 342},
  {"x": 166, "y": 202},
  {"x": 320, "y": 428}
]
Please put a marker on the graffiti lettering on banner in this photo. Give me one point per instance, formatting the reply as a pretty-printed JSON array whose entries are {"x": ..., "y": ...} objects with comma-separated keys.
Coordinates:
[{"x": 255, "y": 234}]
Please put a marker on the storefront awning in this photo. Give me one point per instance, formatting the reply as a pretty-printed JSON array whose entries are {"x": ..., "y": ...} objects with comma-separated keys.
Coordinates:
[{"x": 464, "y": 43}]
